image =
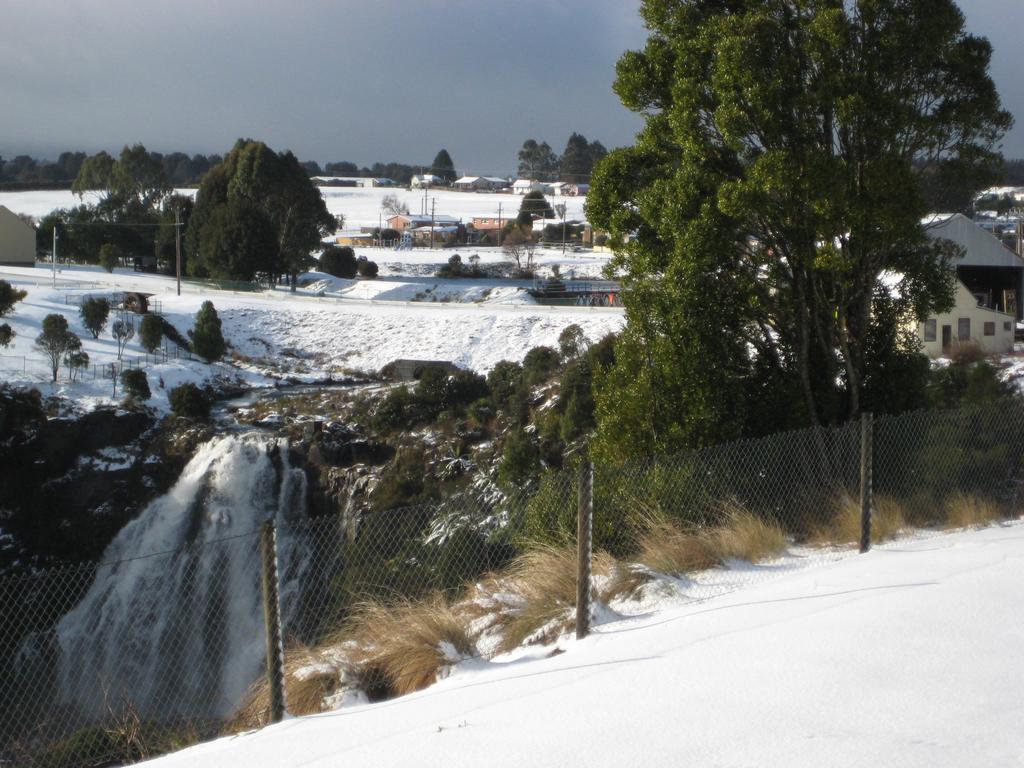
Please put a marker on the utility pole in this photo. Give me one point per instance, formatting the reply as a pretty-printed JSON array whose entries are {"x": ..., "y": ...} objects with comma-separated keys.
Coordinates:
[
  {"x": 433, "y": 202},
  {"x": 177, "y": 246},
  {"x": 563, "y": 225},
  {"x": 497, "y": 237},
  {"x": 53, "y": 258}
]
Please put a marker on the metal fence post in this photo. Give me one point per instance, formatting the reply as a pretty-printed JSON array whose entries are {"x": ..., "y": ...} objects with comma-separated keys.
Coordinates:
[
  {"x": 866, "y": 438},
  {"x": 272, "y": 622},
  {"x": 584, "y": 528}
]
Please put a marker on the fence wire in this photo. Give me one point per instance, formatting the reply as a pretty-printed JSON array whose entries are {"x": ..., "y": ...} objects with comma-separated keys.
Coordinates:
[{"x": 120, "y": 661}]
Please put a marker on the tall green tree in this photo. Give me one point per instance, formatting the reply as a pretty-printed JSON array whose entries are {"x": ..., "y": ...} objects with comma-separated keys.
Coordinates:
[
  {"x": 771, "y": 190},
  {"x": 444, "y": 167},
  {"x": 576, "y": 162},
  {"x": 56, "y": 341},
  {"x": 207, "y": 337},
  {"x": 537, "y": 161},
  {"x": 255, "y": 181}
]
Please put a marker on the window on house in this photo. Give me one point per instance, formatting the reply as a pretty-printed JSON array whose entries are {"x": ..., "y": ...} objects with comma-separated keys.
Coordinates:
[
  {"x": 990, "y": 329},
  {"x": 1006, "y": 325},
  {"x": 930, "y": 329},
  {"x": 963, "y": 328}
]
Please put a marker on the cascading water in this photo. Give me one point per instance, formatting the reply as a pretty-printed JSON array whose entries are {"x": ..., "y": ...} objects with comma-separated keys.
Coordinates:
[{"x": 182, "y": 633}]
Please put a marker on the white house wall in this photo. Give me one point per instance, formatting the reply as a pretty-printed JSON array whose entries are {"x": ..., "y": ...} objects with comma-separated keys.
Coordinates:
[{"x": 966, "y": 308}]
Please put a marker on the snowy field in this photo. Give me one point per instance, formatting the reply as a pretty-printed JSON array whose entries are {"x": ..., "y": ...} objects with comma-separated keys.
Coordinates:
[
  {"x": 356, "y": 326},
  {"x": 360, "y": 207},
  {"x": 908, "y": 656}
]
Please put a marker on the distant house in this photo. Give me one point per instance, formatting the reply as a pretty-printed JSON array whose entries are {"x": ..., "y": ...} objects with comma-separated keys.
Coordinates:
[
  {"x": 403, "y": 221},
  {"x": 522, "y": 186},
  {"x": 990, "y": 270},
  {"x": 990, "y": 282},
  {"x": 480, "y": 183},
  {"x": 17, "y": 240},
  {"x": 968, "y": 322},
  {"x": 491, "y": 223},
  {"x": 426, "y": 181},
  {"x": 441, "y": 234}
]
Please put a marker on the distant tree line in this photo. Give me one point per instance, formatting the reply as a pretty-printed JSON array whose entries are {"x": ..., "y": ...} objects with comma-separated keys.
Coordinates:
[
  {"x": 25, "y": 172},
  {"x": 575, "y": 164}
]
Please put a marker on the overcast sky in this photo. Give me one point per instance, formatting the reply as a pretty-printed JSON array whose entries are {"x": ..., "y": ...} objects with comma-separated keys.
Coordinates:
[{"x": 359, "y": 80}]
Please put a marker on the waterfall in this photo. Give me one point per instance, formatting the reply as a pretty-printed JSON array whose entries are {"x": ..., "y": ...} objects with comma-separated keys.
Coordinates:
[{"x": 181, "y": 633}]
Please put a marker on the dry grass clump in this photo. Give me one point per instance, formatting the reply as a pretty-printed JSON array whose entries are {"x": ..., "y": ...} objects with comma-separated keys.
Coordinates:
[
  {"x": 968, "y": 511},
  {"x": 534, "y": 599},
  {"x": 311, "y": 678},
  {"x": 382, "y": 650},
  {"x": 888, "y": 518},
  {"x": 406, "y": 644},
  {"x": 666, "y": 548},
  {"x": 746, "y": 536}
]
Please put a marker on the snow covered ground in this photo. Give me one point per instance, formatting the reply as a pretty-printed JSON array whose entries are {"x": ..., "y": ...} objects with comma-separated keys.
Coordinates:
[
  {"x": 910, "y": 655},
  {"x": 361, "y": 207},
  {"x": 355, "y": 326}
]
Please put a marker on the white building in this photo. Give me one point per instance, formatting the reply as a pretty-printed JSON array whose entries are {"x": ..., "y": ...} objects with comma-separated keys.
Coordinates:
[
  {"x": 426, "y": 181},
  {"x": 968, "y": 322},
  {"x": 990, "y": 279},
  {"x": 17, "y": 240},
  {"x": 523, "y": 186}
]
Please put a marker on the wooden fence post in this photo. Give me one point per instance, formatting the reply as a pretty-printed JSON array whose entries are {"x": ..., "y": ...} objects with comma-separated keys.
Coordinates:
[
  {"x": 584, "y": 536},
  {"x": 866, "y": 438},
  {"x": 272, "y": 622}
]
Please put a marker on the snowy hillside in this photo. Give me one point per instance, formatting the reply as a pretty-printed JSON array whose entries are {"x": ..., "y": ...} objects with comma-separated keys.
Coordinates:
[
  {"x": 358, "y": 327},
  {"x": 907, "y": 656}
]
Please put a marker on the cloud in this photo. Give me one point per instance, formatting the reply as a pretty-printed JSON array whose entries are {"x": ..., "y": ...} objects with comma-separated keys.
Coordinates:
[{"x": 340, "y": 79}]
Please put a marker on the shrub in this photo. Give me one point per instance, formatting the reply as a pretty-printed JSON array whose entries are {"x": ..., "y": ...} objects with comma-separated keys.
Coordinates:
[
  {"x": 190, "y": 401},
  {"x": 572, "y": 342},
  {"x": 9, "y": 296},
  {"x": 453, "y": 268},
  {"x": 135, "y": 383},
  {"x": 503, "y": 381},
  {"x": 540, "y": 363},
  {"x": 406, "y": 481},
  {"x": 207, "y": 339},
  {"x": 94, "y": 313},
  {"x": 151, "y": 332},
  {"x": 340, "y": 262},
  {"x": 76, "y": 361},
  {"x": 56, "y": 341},
  {"x": 520, "y": 459},
  {"x": 110, "y": 257},
  {"x": 7, "y": 334},
  {"x": 367, "y": 268},
  {"x": 443, "y": 391}
]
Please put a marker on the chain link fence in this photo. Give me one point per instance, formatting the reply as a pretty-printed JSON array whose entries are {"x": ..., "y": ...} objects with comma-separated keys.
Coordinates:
[{"x": 151, "y": 652}]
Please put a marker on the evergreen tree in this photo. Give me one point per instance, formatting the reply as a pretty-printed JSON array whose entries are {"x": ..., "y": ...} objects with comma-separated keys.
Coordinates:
[
  {"x": 94, "y": 312},
  {"x": 254, "y": 181},
  {"x": 773, "y": 184},
  {"x": 9, "y": 296},
  {"x": 151, "y": 332},
  {"x": 444, "y": 167},
  {"x": 576, "y": 162},
  {"x": 207, "y": 339},
  {"x": 56, "y": 341}
]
